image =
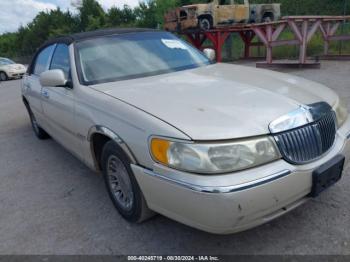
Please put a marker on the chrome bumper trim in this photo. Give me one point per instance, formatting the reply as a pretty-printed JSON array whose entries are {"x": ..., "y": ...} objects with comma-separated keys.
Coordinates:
[{"x": 221, "y": 189}]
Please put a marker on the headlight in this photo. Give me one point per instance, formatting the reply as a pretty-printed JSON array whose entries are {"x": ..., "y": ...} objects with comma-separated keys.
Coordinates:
[
  {"x": 214, "y": 158},
  {"x": 341, "y": 111}
]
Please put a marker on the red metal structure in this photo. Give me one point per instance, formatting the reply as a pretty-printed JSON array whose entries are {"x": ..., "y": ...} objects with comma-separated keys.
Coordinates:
[{"x": 268, "y": 35}]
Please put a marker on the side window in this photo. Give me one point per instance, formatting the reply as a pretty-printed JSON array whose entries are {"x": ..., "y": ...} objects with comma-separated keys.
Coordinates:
[
  {"x": 43, "y": 60},
  {"x": 228, "y": 2},
  {"x": 60, "y": 59}
]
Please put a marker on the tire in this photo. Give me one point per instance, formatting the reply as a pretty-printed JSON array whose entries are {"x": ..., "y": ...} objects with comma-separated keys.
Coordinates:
[
  {"x": 122, "y": 186},
  {"x": 3, "y": 76},
  {"x": 268, "y": 18},
  {"x": 205, "y": 23},
  {"x": 38, "y": 131}
]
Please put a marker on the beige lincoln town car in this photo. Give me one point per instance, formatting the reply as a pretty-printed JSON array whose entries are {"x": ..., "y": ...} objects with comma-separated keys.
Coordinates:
[
  {"x": 219, "y": 147},
  {"x": 10, "y": 70}
]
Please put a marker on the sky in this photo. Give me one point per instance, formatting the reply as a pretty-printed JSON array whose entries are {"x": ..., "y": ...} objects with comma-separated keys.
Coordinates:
[{"x": 14, "y": 13}]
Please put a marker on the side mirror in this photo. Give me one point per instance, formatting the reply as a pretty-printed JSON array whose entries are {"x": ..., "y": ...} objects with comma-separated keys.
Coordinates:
[
  {"x": 54, "y": 78},
  {"x": 210, "y": 53}
]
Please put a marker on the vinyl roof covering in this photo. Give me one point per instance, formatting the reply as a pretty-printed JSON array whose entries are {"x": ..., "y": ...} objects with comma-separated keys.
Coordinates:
[{"x": 99, "y": 33}]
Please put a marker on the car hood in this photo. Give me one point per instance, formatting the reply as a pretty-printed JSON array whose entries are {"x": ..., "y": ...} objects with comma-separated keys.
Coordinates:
[
  {"x": 221, "y": 101},
  {"x": 14, "y": 67}
]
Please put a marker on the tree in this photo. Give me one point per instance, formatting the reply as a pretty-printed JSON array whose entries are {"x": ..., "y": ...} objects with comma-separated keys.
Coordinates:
[
  {"x": 162, "y": 7},
  {"x": 121, "y": 17},
  {"x": 91, "y": 15},
  {"x": 145, "y": 14}
]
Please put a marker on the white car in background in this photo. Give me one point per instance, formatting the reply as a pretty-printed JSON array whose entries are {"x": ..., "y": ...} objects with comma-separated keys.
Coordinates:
[{"x": 10, "y": 70}]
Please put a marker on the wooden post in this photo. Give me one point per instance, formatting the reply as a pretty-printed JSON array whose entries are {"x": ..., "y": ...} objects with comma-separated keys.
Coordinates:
[
  {"x": 269, "y": 31},
  {"x": 229, "y": 45},
  {"x": 303, "y": 45},
  {"x": 218, "y": 39},
  {"x": 325, "y": 30},
  {"x": 247, "y": 37},
  {"x": 218, "y": 47}
]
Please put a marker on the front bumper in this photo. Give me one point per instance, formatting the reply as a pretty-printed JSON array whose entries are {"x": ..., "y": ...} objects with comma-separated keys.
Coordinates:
[
  {"x": 235, "y": 202},
  {"x": 16, "y": 74}
]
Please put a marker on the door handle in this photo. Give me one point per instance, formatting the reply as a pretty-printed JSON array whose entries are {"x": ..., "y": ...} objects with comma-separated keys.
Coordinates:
[{"x": 45, "y": 94}]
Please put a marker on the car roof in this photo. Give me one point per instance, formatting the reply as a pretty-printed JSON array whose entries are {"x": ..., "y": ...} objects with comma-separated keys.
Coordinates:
[{"x": 94, "y": 34}]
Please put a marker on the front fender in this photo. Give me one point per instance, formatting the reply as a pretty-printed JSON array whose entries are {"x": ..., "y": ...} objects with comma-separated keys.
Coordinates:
[{"x": 113, "y": 136}]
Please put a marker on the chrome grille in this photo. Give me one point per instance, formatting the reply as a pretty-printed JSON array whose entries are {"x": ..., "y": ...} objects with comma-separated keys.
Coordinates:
[{"x": 307, "y": 143}]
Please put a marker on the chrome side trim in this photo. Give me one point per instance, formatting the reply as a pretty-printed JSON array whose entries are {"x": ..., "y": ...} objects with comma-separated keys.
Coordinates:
[
  {"x": 109, "y": 133},
  {"x": 221, "y": 189}
]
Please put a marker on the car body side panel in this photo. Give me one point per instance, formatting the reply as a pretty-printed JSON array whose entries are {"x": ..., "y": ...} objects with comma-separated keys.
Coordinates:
[
  {"x": 132, "y": 125},
  {"x": 226, "y": 14},
  {"x": 59, "y": 110},
  {"x": 31, "y": 90}
]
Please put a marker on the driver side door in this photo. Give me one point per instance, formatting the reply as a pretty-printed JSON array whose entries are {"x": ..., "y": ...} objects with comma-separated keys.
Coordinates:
[{"x": 59, "y": 105}]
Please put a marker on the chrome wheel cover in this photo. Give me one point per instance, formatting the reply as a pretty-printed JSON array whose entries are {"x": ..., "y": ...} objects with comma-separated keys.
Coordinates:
[{"x": 120, "y": 183}]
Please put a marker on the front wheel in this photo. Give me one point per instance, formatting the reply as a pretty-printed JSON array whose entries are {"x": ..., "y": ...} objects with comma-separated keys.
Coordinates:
[
  {"x": 38, "y": 131},
  {"x": 122, "y": 186},
  {"x": 3, "y": 76}
]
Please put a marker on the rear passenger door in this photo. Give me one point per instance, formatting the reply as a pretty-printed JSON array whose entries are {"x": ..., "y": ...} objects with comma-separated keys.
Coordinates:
[
  {"x": 31, "y": 83},
  {"x": 58, "y": 102}
]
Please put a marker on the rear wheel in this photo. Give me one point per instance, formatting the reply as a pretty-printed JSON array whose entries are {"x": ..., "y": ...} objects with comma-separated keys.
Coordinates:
[
  {"x": 3, "y": 76},
  {"x": 122, "y": 186},
  {"x": 267, "y": 18},
  {"x": 38, "y": 131},
  {"x": 205, "y": 23}
]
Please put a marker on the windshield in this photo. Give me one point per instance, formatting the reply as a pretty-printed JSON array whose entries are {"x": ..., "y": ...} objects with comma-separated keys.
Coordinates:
[
  {"x": 6, "y": 61},
  {"x": 134, "y": 55}
]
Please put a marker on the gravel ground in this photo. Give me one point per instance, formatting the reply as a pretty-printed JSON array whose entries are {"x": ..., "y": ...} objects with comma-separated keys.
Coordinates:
[{"x": 50, "y": 203}]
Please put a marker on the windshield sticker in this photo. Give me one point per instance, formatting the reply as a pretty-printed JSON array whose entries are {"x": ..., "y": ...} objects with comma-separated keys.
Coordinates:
[{"x": 174, "y": 44}]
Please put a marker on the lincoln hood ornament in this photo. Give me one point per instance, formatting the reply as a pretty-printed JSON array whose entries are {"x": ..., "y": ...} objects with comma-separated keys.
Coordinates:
[{"x": 302, "y": 116}]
